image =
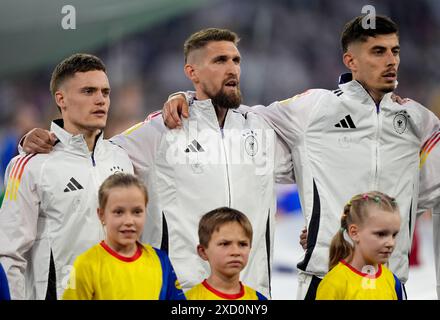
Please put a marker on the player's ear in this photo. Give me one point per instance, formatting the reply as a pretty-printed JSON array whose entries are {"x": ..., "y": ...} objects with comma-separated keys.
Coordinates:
[
  {"x": 191, "y": 72},
  {"x": 349, "y": 60},
  {"x": 202, "y": 252},
  {"x": 60, "y": 99}
]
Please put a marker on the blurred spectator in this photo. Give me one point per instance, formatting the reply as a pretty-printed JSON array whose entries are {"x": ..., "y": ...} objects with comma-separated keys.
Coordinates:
[
  {"x": 126, "y": 108},
  {"x": 24, "y": 119}
]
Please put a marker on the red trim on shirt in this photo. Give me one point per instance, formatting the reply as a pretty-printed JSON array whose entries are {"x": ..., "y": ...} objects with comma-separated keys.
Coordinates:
[
  {"x": 224, "y": 295},
  {"x": 433, "y": 143},
  {"x": 136, "y": 256},
  {"x": 18, "y": 168},
  {"x": 153, "y": 115},
  {"x": 377, "y": 275},
  {"x": 15, "y": 167},
  {"x": 24, "y": 165},
  {"x": 428, "y": 142}
]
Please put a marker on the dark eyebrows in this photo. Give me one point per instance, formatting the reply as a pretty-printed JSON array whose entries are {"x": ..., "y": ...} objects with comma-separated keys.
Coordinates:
[
  {"x": 220, "y": 58},
  {"x": 382, "y": 48},
  {"x": 223, "y": 57},
  {"x": 88, "y": 88},
  {"x": 94, "y": 89},
  {"x": 378, "y": 47}
]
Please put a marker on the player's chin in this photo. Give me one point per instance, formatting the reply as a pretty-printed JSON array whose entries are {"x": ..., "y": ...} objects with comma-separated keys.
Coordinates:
[
  {"x": 98, "y": 123},
  {"x": 388, "y": 87}
]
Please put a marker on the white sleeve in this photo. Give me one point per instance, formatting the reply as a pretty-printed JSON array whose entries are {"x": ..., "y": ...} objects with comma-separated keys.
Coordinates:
[
  {"x": 283, "y": 163},
  {"x": 429, "y": 194},
  {"x": 20, "y": 146},
  {"x": 436, "y": 239},
  {"x": 429, "y": 126},
  {"x": 140, "y": 143},
  {"x": 291, "y": 117},
  {"x": 429, "y": 197},
  {"x": 18, "y": 223}
]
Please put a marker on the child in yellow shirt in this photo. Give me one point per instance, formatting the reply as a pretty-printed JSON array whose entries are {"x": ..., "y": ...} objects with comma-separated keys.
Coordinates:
[
  {"x": 120, "y": 267},
  {"x": 225, "y": 237},
  {"x": 360, "y": 250}
]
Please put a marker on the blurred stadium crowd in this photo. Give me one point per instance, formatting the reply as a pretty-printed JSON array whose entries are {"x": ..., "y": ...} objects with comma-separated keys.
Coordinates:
[{"x": 287, "y": 47}]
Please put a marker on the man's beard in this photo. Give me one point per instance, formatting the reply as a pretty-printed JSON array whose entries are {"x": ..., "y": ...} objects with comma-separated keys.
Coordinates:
[{"x": 227, "y": 101}]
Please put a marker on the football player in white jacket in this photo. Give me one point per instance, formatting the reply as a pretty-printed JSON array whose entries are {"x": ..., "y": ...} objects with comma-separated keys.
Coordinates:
[
  {"x": 222, "y": 157},
  {"x": 351, "y": 140},
  {"x": 49, "y": 216}
]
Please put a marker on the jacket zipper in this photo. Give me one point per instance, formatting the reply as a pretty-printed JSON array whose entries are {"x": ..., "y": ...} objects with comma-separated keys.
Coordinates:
[
  {"x": 227, "y": 167},
  {"x": 92, "y": 155},
  {"x": 93, "y": 158},
  {"x": 377, "y": 155},
  {"x": 95, "y": 178}
]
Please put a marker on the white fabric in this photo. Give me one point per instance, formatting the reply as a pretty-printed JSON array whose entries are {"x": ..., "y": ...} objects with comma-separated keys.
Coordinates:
[
  {"x": 45, "y": 218},
  {"x": 342, "y": 144},
  {"x": 200, "y": 167}
]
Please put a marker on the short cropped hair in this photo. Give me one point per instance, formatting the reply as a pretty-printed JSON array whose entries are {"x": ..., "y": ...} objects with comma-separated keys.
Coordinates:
[
  {"x": 354, "y": 31},
  {"x": 78, "y": 62},
  {"x": 203, "y": 37},
  {"x": 213, "y": 220}
]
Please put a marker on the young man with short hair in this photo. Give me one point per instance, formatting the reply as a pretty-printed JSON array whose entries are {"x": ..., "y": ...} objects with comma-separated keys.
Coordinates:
[
  {"x": 350, "y": 140},
  {"x": 48, "y": 216}
]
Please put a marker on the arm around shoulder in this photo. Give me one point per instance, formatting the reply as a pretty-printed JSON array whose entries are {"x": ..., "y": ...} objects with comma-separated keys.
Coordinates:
[
  {"x": 291, "y": 117},
  {"x": 141, "y": 141}
]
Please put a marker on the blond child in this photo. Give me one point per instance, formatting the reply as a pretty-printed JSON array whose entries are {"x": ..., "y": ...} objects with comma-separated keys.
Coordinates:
[
  {"x": 120, "y": 267},
  {"x": 225, "y": 237},
  {"x": 360, "y": 250}
]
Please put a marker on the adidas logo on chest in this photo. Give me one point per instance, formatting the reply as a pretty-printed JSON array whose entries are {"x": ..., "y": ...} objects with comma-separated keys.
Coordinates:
[
  {"x": 346, "y": 123},
  {"x": 73, "y": 185}
]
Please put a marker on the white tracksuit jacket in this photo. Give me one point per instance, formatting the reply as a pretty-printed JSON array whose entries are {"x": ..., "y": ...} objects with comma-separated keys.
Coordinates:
[
  {"x": 200, "y": 167},
  {"x": 430, "y": 192},
  {"x": 49, "y": 209},
  {"x": 342, "y": 145}
]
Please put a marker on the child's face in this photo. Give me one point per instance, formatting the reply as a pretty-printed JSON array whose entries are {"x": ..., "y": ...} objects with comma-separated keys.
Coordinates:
[
  {"x": 124, "y": 216},
  {"x": 376, "y": 238},
  {"x": 228, "y": 250}
]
